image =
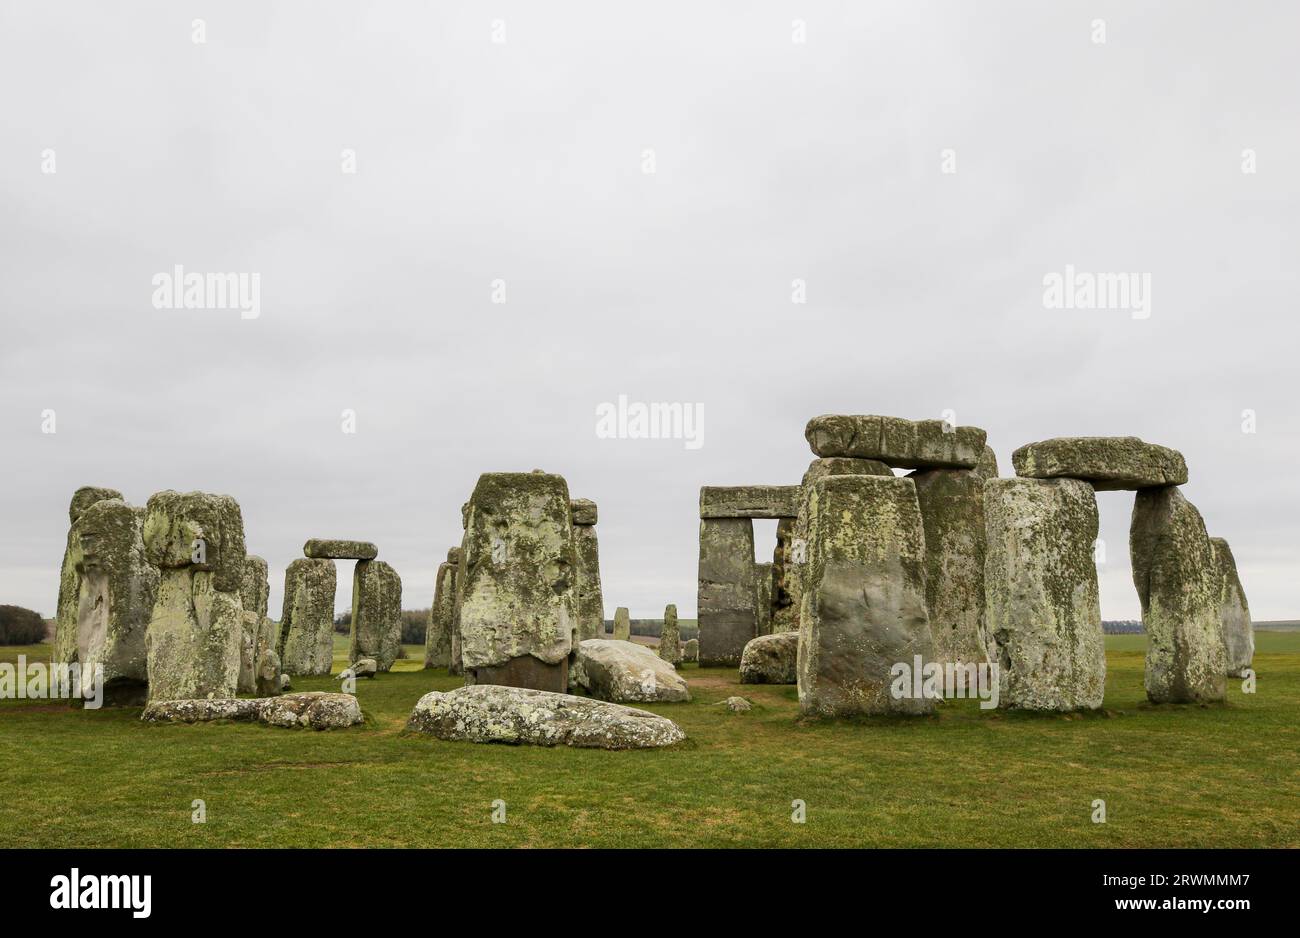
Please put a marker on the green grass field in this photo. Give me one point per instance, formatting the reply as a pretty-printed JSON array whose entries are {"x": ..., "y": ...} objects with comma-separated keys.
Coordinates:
[{"x": 1222, "y": 776}]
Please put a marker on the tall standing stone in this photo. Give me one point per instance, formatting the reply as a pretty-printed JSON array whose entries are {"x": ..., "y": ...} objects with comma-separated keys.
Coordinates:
[
  {"x": 518, "y": 607},
  {"x": 376, "y": 614},
  {"x": 952, "y": 512},
  {"x": 306, "y": 641},
  {"x": 785, "y": 613},
  {"x": 727, "y": 596},
  {"x": 196, "y": 628},
  {"x": 437, "y": 637},
  {"x": 591, "y": 603},
  {"x": 254, "y": 593},
  {"x": 622, "y": 625},
  {"x": 762, "y": 599},
  {"x": 1234, "y": 612},
  {"x": 864, "y": 597},
  {"x": 1177, "y": 581},
  {"x": 670, "y": 640},
  {"x": 1043, "y": 617},
  {"x": 65, "y": 632}
]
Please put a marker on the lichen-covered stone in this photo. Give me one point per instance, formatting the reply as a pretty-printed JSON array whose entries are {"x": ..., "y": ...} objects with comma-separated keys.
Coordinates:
[
  {"x": 437, "y": 636},
  {"x": 622, "y": 625},
  {"x": 313, "y": 709},
  {"x": 334, "y": 549},
  {"x": 762, "y": 599},
  {"x": 691, "y": 650},
  {"x": 584, "y": 511},
  {"x": 376, "y": 613},
  {"x": 199, "y": 531},
  {"x": 906, "y": 444},
  {"x": 785, "y": 614},
  {"x": 194, "y": 637},
  {"x": 670, "y": 642},
  {"x": 254, "y": 591},
  {"x": 771, "y": 659},
  {"x": 987, "y": 467},
  {"x": 1107, "y": 462},
  {"x": 738, "y": 705},
  {"x": 952, "y": 512},
  {"x": 488, "y": 713},
  {"x": 627, "y": 672},
  {"x": 266, "y": 659},
  {"x": 1042, "y": 615},
  {"x": 519, "y": 594},
  {"x": 726, "y": 601},
  {"x": 1177, "y": 581},
  {"x": 307, "y": 619},
  {"x": 749, "y": 501},
  {"x": 1234, "y": 611},
  {"x": 86, "y": 496},
  {"x": 362, "y": 667},
  {"x": 864, "y": 596},
  {"x": 456, "y": 665},
  {"x": 590, "y": 599}
]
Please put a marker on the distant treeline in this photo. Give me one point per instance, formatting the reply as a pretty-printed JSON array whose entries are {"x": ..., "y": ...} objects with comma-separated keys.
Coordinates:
[{"x": 1122, "y": 627}]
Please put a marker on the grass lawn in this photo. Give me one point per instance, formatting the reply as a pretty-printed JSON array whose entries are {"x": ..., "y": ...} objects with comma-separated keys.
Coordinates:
[{"x": 1186, "y": 776}]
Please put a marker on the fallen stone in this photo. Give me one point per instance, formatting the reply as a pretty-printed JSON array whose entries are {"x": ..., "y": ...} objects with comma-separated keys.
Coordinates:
[
  {"x": 376, "y": 630},
  {"x": 362, "y": 667},
  {"x": 727, "y": 594},
  {"x": 487, "y": 713},
  {"x": 584, "y": 511},
  {"x": 330, "y": 549},
  {"x": 1178, "y": 583},
  {"x": 738, "y": 705},
  {"x": 622, "y": 625},
  {"x": 625, "y": 672},
  {"x": 905, "y": 444},
  {"x": 1042, "y": 617},
  {"x": 1234, "y": 612},
  {"x": 670, "y": 642},
  {"x": 1107, "y": 462},
  {"x": 314, "y": 709},
  {"x": 771, "y": 659},
  {"x": 306, "y": 643},
  {"x": 749, "y": 501},
  {"x": 437, "y": 633}
]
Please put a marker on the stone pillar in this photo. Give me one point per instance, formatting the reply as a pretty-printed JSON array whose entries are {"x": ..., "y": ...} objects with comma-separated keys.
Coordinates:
[
  {"x": 437, "y": 636},
  {"x": 727, "y": 593},
  {"x": 306, "y": 640},
  {"x": 864, "y": 597},
  {"x": 457, "y": 665},
  {"x": 196, "y": 628},
  {"x": 1042, "y": 616},
  {"x": 762, "y": 599},
  {"x": 254, "y": 593},
  {"x": 1234, "y": 612},
  {"x": 622, "y": 625},
  {"x": 65, "y": 616},
  {"x": 376, "y": 614},
  {"x": 785, "y": 613},
  {"x": 591, "y": 604},
  {"x": 670, "y": 642},
  {"x": 1177, "y": 581}
]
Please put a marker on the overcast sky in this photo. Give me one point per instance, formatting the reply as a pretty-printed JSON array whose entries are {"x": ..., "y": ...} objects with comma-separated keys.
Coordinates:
[{"x": 525, "y": 160}]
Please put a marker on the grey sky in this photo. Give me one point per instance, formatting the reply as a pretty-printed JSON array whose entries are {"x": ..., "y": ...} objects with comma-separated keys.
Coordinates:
[{"x": 522, "y": 161}]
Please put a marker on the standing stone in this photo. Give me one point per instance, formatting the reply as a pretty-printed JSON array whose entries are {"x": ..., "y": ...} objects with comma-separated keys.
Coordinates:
[
  {"x": 196, "y": 628},
  {"x": 728, "y": 616},
  {"x": 762, "y": 599},
  {"x": 1177, "y": 581},
  {"x": 1234, "y": 612},
  {"x": 65, "y": 616},
  {"x": 1042, "y": 616},
  {"x": 785, "y": 614},
  {"x": 691, "y": 650},
  {"x": 591, "y": 604},
  {"x": 376, "y": 614},
  {"x": 437, "y": 636},
  {"x": 457, "y": 665},
  {"x": 306, "y": 640},
  {"x": 670, "y": 642},
  {"x": 952, "y": 511},
  {"x": 266, "y": 659},
  {"x": 622, "y": 625},
  {"x": 864, "y": 597},
  {"x": 518, "y": 608},
  {"x": 254, "y": 592}
]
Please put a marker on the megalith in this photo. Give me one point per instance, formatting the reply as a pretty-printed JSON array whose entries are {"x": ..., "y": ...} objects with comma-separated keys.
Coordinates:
[
  {"x": 65, "y": 616},
  {"x": 762, "y": 599},
  {"x": 518, "y": 610},
  {"x": 254, "y": 592},
  {"x": 195, "y": 632},
  {"x": 590, "y": 602},
  {"x": 952, "y": 513},
  {"x": 1042, "y": 615},
  {"x": 437, "y": 636},
  {"x": 727, "y": 610},
  {"x": 905, "y": 444},
  {"x": 622, "y": 624},
  {"x": 1234, "y": 612},
  {"x": 376, "y": 614},
  {"x": 1177, "y": 581},
  {"x": 1107, "y": 462},
  {"x": 670, "y": 640},
  {"x": 306, "y": 641},
  {"x": 691, "y": 650},
  {"x": 863, "y": 606},
  {"x": 785, "y": 612},
  {"x": 457, "y": 559},
  {"x": 321, "y": 548}
]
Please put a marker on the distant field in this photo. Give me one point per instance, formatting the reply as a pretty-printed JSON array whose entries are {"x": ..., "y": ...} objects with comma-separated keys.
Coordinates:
[{"x": 1221, "y": 776}]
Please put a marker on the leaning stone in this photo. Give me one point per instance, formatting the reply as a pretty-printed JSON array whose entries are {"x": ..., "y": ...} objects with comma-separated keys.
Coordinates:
[
  {"x": 626, "y": 672},
  {"x": 197, "y": 531},
  {"x": 670, "y": 642},
  {"x": 691, "y": 650},
  {"x": 622, "y": 625},
  {"x": 254, "y": 591},
  {"x": 1108, "y": 462},
  {"x": 376, "y": 613},
  {"x": 316, "y": 710},
  {"x": 1042, "y": 617},
  {"x": 437, "y": 637},
  {"x": 306, "y": 643},
  {"x": 726, "y": 601},
  {"x": 905, "y": 444},
  {"x": 1234, "y": 612},
  {"x": 487, "y": 713},
  {"x": 749, "y": 501},
  {"x": 333, "y": 549},
  {"x": 590, "y": 601},
  {"x": 1177, "y": 581},
  {"x": 583, "y": 510},
  {"x": 763, "y": 599},
  {"x": 771, "y": 659},
  {"x": 864, "y": 597}
]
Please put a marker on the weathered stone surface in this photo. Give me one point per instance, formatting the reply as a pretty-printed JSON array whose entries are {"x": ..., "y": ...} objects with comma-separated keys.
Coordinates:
[
  {"x": 1042, "y": 617},
  {"x": 627, "y": 672},
  {"x": 691, "y": 650},
  {"x": 987, "y": 467},
  {"x": 437, "y": 635},
  {"x": 86, "y": 496},
  {"x": 763, "y": 598},
  {"x": 457, "y": 666},
  {"x": 622, "y": 625},
  {"x": 198, "y": 531},
  {"x": 749, "y": 501},
  {"x": 952, "y": 513},
  {"x": 488, "y": 713},
  {"x": 362, "y": 667},
  {"x": 584, "y": 511},
  {"x": 519, "y": 593},
  {"x": 590, "y": 600},
  {"x": 376, "y": 613},
  {"x": 738, "y": 705},
  {"x": 194, "y": 636},
  {"x": 1234, "y": 611},
  {"x": 254, "y": 591},
  {"x": 1177, "y": 581},
  {"x": 334, "y": 549},
  {"x": 106, "y": 597},
  {"x": 266, "y": 659},
  {"x": 1107, "y": 462},
  {"x": 728, "y": 616},
  {"x": 314, "y": 709},
  {"x": 771, "y": 659},
  {"x": 285, "y": 683},
  {"x": 670, "y": 642},
  {"x": 785, "y": 614},
  {"x": 906, "y": 444},
  {"x": 255, "y": 587},
  {"x": 864, "y": 596},
  {"x": 307, "y": 619}
]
